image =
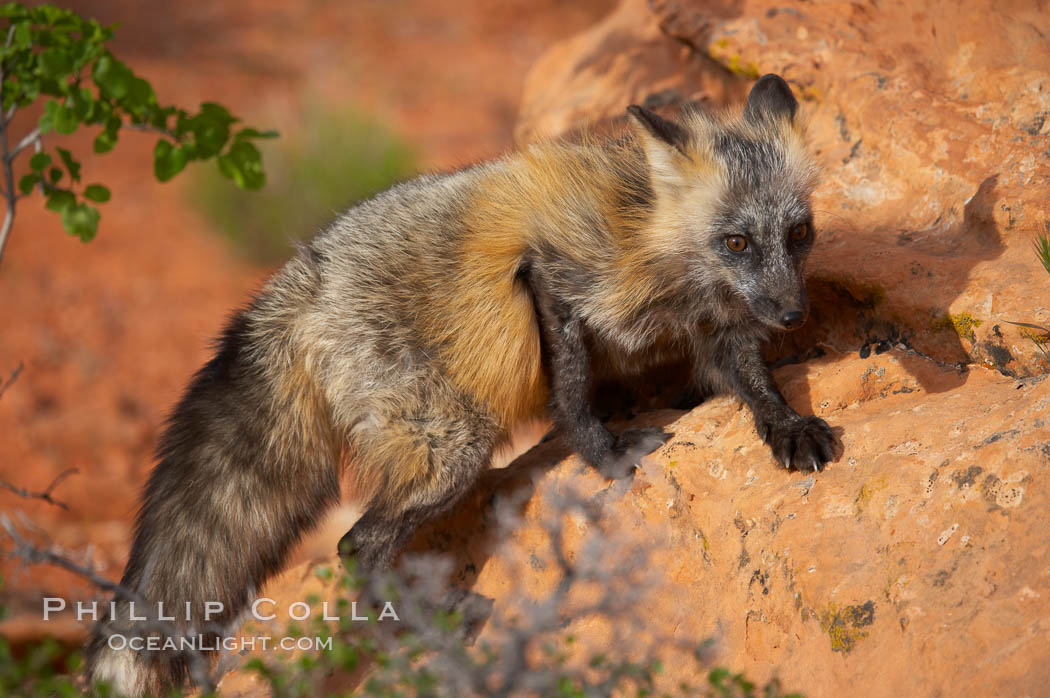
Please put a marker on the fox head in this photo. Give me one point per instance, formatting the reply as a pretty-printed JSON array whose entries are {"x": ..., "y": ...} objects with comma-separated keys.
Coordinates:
[{"x": 732, "y": 199}]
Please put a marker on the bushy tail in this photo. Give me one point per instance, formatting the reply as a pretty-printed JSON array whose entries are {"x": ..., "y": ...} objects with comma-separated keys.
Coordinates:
[{"x": 246, "y": 465}]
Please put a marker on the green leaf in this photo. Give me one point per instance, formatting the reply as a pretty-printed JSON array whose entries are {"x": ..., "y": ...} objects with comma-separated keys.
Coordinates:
[
  {"x": 83, "y": 51},
  {"x": 50, "y": 86},
  {"x": 55, "y": 174},
  {"x": 23, "y": 37},
  {"x": 118, "y": 81},
  {"x": 168, "y": 160},
  {"x": 101, "y": 112},
  {"x": 140, "y": 94},
  {"x": 81, "y": 220},
  {"x": 12, "y": 9},
  {"x": 54, "y": 63},
  {"x": 39, "y": 161},
  {"x": 217, "y": 112},
  {"x": 71, "y": 164},
  {"x": 59, "y": 200},
  {"x": 47, "y": 120},
  {"x": 97, "y": 193},
  {"x": 58, "y": 117},
  {"x": 105, "y": 141},
  {"x": 112, "y": 77},
  {"x": 159, "y": 118},
  {"x": 210, "y": 128},
  {"x": 30, "y": 90},
  {"x": 27, "y": 182},
  {"x": 83, "y": 104},
  {"x": 243, "y": 164}
]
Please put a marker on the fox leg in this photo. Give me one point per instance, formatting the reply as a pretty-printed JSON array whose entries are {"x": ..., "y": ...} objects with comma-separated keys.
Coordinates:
[
  {"x": 797, "y": 442},
  {"x": 567, "y": 359},
  {"x": 424, "y": 460}
]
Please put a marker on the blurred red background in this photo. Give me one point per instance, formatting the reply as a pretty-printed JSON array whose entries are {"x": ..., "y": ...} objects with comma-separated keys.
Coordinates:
[{"x": 109, "y": 332}]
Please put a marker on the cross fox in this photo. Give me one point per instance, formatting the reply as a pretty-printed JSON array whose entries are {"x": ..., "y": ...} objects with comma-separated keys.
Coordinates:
[{"x": 410, "y": 336}]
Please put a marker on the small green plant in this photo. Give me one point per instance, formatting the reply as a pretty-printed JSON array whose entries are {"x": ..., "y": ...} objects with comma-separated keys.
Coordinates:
[
  {"x": 1042, "y": 250},
  {"x": 1039, "y": 334},
  {"x": 43, "y": 668},
  {"x": 52, "y": 54},
  {"x": 336, "y": 159}
]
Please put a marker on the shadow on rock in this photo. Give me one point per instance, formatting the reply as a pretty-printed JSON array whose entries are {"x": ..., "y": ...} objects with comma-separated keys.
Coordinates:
[{"x": 870, "y": 296}]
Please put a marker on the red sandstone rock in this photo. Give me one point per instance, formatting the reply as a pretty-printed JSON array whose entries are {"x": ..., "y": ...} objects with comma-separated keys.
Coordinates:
[{"x": 915, "y": 565}]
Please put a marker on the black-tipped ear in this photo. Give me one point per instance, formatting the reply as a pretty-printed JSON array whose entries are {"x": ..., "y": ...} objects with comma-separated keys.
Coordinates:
[
  {"x": 770, "y": 99},
  {"x": 660, "y": 128}
]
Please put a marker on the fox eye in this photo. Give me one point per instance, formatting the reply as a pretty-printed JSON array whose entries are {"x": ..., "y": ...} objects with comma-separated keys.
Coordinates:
[
  {"x": 800, "y": 232},
  {"x": 736, "y": 243}
]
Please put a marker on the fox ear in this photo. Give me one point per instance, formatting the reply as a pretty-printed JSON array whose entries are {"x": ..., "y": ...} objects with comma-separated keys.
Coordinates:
[
  {"x": 770, "y": 99},
  {"x": 664, "y": 142}
]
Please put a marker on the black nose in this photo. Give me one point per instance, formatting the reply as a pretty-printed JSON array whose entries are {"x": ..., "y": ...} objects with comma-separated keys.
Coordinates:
[{"x": 792, "y": 319}]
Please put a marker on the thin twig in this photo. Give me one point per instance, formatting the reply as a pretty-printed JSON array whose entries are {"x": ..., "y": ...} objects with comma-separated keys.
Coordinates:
[
  {"x": 14, "y": 376},
  {"x": 148, "y": 128},
  {"x": 46, "y": 494}
]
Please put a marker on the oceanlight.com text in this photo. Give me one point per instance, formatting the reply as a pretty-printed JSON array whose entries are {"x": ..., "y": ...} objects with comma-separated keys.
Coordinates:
[{"x": 202, "y": 643}]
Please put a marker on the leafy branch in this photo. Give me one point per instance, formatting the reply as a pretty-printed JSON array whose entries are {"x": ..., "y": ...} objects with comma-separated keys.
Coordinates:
[{"x": 54, "y": 54}]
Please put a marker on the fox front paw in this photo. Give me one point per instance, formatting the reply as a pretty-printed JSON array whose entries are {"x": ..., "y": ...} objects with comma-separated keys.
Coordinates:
[
  {"x": 631, "y": 446},
  {"x": 801, "y": 443}
]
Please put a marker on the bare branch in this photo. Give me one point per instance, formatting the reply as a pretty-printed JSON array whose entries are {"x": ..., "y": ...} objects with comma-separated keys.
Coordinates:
[
  {"x": 25, "y": 550},
  {"x": 14, "y": 376},
  {"x": 5, "y": 227},
  {"x": 27, "y": 140},
  {"x": 147, "y": 128},
  {"x": 46, "y": 494},
  {"x": 32, "y": 555},
  {"x": 9, "y": 174}
]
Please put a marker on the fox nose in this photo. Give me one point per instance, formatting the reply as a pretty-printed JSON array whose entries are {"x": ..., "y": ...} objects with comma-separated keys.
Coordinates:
[{"x": 792, "y": 319}]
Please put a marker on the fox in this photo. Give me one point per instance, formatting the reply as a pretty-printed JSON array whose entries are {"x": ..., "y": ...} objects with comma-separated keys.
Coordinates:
[{"x": 404, "y": 342}]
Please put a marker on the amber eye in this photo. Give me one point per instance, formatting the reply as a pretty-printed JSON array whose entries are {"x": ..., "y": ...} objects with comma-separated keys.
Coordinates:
[
  {"x": 737, "y": 243},
  {"x": 800, "y": 232}
]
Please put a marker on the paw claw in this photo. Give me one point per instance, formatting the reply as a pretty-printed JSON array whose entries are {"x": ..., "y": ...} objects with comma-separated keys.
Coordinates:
[{"x": 800, "y": 440}]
